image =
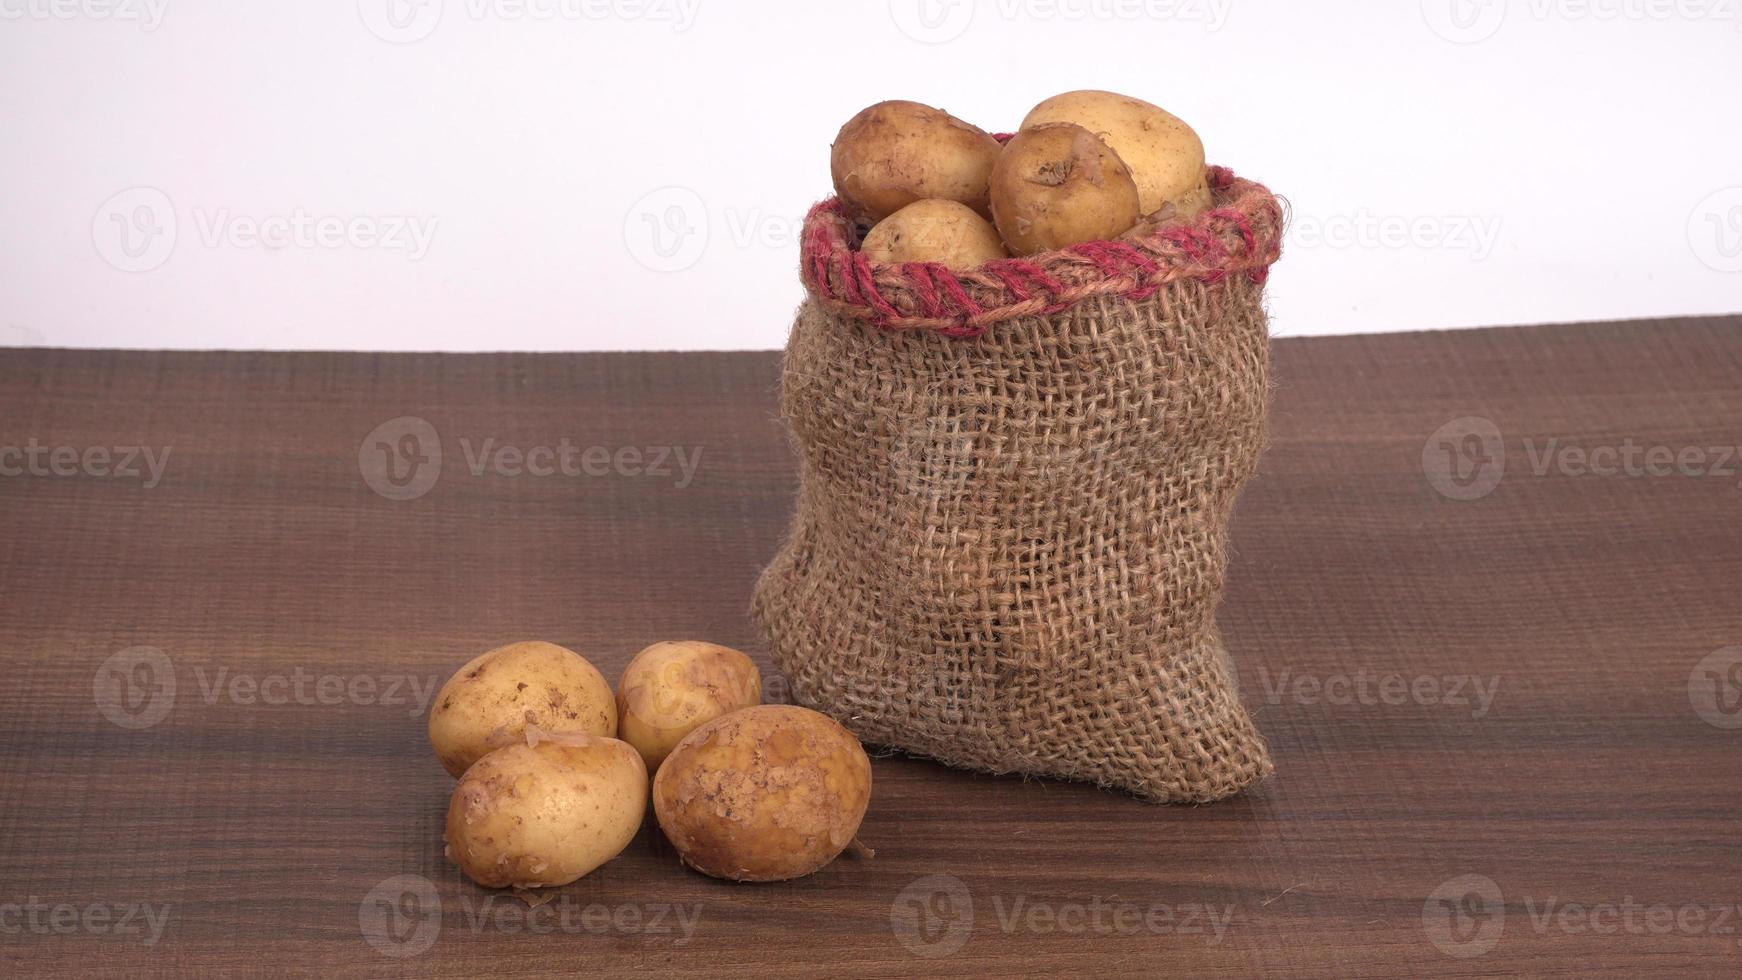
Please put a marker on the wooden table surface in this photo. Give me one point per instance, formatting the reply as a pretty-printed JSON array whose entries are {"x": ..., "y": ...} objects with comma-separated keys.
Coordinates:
[{"x": 1493, "y": 638}]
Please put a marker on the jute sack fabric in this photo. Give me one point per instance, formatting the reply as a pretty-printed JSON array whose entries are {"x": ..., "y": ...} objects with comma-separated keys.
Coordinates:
[{"x": 1015, "y": 485}]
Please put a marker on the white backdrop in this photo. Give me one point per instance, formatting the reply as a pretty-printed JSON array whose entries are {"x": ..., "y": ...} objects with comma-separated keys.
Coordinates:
[{"x": 608, "y": 174}]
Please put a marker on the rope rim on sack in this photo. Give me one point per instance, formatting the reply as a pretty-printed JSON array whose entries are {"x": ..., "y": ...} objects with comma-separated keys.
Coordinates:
[{"x": 1240, "y": 235}]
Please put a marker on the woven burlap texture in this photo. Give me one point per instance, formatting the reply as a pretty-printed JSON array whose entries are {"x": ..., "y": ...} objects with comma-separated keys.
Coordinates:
[{"x": 1008, "y": 549}]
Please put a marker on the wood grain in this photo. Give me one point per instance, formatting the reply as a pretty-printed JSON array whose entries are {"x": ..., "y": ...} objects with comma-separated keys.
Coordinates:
[{"x": 1584, "y": 604}]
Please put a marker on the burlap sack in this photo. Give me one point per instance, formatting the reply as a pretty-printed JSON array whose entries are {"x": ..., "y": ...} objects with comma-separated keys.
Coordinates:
[{"x": 1014, "y": 496}]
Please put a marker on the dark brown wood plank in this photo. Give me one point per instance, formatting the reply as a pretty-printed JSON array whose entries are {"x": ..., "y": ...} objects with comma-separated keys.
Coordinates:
[{"x": 1582, "y": 604}]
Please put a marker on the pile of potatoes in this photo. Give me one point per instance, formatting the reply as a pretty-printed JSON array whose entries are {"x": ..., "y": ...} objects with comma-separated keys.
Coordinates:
[
  {"x": 554, "y": 767},
  {"x": 1085, "y": 166}
]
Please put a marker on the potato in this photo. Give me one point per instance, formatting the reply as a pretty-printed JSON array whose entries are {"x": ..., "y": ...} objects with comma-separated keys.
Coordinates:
[
  {"x": 763, "y": 794},
  {"x": 547, "y": 810},
  {"x": 1165, "y": 156},
  {"x": 895, "y": 153},
  {"x": 670, "y": 689},
  {"x": 1192, "y": 204},
  {"x": 935, "y": 230},
  {"x": 489, "y": 702},
  {"x": 1057, "y": 185}
]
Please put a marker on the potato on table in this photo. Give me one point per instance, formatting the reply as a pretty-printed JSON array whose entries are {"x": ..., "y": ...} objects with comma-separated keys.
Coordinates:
[
  {"x": 546, "y": 811},
  {"x": 490, "y": 701},
  {"x": 672, "y": 688},
  {"x": 764, "y": 794}
]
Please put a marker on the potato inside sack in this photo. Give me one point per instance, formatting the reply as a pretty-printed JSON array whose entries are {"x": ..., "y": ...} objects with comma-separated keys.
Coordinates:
[
  {"x": 1057, "y": 185},
  {"x": 1165, "y": 155},
  {"x": 546, "y": 811},
  {"x": 490, "y": 701},
  {"x": 934, "y": 230},
  {"x": 764, "y": 794},
  {"x": 895, "y": 153},
  {"x": 670, "y": 689}
]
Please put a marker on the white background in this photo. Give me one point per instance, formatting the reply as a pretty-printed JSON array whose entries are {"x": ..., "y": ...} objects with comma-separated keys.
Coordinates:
[{"x": 1449, "y": 162}]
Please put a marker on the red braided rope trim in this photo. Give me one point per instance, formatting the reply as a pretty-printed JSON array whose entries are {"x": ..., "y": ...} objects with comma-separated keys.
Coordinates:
[{"x": 1241, "y": 234}]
